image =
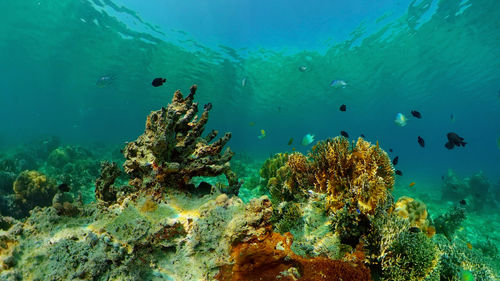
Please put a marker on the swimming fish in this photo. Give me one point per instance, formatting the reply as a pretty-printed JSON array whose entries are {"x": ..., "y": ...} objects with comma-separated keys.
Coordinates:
[
  {"x": 414, "y": 229},
  {"x": 390, "y": 150},
  {"x": 421, "y": 141},
  {"x": 207, "y": 107},
  {"x": 454, "y": 140},
  {"x": 400, "y": 119},
  {"x": 157, "y": 82},
  {"x": 469, "y": 245},
  {"x": 463, "y": 202},
  {"x": 343, "y": 107},
  {"x": 344, "y": 134},
  {"x": 466, "y": 275},
  {"x": 262, "y": 134},
  {"x": 363, "y": 136},
  {"x": 399, "y": 173},
  {"x": 452, "y": 118},
  {"x": 290, "y": 141},
  {"x": 251, "y": 124},
  {"x": 105, "y": 81},
  {"x": 243, "y": 82},
  {"x": 498, "y": 143},
  {"x": 303, "y": 68},
  {"x": 395, "y": 160},
  {"x": 411, "y": 184},
  {"x": 63, "y": 187},
  {"x": 307, "y": 139},
  {"x": 416, "y": 114},
  {"x": 338, "y": 84}
]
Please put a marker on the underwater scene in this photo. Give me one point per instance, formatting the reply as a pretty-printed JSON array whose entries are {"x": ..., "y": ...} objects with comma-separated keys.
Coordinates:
[{"x": 232, "y": 140}]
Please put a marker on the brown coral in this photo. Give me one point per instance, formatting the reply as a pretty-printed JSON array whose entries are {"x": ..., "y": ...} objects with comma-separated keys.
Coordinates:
[
  {"x": 171, "y": 151},
  {"x": 32, "y": 188},
  {"x": 269, "y": 257}
]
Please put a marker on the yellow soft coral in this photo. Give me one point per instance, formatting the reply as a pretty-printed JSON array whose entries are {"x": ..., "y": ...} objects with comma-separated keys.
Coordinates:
[{"x": 359, "y": 174}]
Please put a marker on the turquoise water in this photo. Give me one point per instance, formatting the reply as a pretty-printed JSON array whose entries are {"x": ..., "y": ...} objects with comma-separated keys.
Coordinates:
[{"x": 438, "y": 57}]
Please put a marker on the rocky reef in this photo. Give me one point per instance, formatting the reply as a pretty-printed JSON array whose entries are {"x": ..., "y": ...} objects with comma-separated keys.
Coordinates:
[
  {"x": 172, "y": 151},
  {"x": 327, "y": 215}
]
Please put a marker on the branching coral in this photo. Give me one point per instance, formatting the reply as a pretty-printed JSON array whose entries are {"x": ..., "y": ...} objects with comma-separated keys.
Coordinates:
[
  {"x": 412, "y": 256},
  {"x": 172, "y": 151}
]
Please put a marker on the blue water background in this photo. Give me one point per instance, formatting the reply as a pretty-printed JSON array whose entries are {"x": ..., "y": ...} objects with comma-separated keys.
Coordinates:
[{"x": 438, "y": 57}]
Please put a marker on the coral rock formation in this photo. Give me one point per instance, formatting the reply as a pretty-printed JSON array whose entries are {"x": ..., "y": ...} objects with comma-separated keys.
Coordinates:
[{"x": 172, "y": 151}]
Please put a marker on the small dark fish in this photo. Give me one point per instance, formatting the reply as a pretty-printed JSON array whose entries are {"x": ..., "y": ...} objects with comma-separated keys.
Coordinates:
[
  {"x": 363, "y": 136},
  {"x": 390, "y": 150},
  {"x": 395, "y": 160},
  {"x": 454, "y": 140},
  {"x": 414, "y": 229},
  {"x": 421, "y": 141},
  {"x": 157, "y": 82},
  {"x": 399, "y": 173},
  {"x": 63, "y": 187},
  {"x": 343, "y": 107},
  {"x": 463, "y": 202},
  {"x": 290, "y": 141},
  {"x": 416, "y": 114},
  {"x": 207, "y": 107},
  {"x": 344, "y": 134}
]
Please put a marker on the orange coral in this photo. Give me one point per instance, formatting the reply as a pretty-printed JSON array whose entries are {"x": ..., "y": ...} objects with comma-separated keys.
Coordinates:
[{"x": 269, "y": 257}]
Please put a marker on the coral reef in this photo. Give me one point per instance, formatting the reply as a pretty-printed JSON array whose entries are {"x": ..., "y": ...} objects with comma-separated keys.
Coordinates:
[
  {"x": 412, "y": 256},
  {"x": 359, "y": 176},
  {"x": 448, "y": 223},
  {"x": 476, "y": 190},
  {"x": 172, "y": 151},
  {"x": 105, "y": 191},
  {"x": 362, "y": 175},
  {"x": 457, "y": 258}
]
